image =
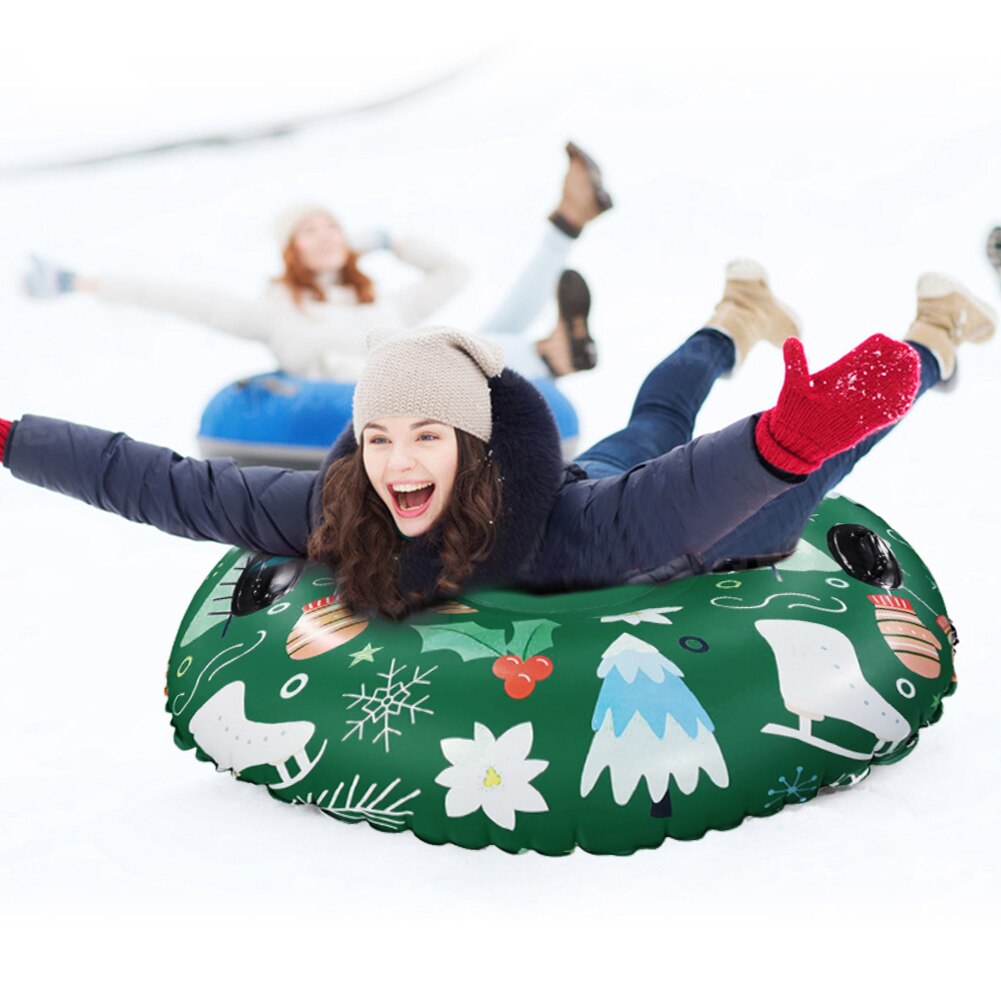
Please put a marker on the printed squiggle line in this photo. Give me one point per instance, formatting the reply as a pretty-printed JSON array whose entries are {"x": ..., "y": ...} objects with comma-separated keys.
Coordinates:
[
  {"x": 820, "y": 608},
  {"x": 718, "y": 602},
  {"x": 222, "y": 653}
]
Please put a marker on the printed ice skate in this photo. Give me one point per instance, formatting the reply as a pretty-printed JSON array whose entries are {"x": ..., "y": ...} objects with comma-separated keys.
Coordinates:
[
  {"x": 236, "y": 743},
  {"x": 820, "y": 676}
]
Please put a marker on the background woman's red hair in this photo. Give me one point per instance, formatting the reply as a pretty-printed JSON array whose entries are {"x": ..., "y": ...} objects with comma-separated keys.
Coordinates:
[{"x": 302, "y": 283}]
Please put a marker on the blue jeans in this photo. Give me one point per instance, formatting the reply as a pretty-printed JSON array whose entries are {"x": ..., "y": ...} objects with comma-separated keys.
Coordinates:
[{"x": 663, "y": 418}]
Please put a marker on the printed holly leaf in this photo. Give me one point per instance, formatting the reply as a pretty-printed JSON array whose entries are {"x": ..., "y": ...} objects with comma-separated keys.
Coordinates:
[
  {"x": 532, "y": 636},
  {"x": 468, "y": 639}
]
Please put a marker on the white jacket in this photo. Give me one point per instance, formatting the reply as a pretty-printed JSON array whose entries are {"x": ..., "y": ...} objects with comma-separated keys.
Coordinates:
[{"x": 315, "y": 340}]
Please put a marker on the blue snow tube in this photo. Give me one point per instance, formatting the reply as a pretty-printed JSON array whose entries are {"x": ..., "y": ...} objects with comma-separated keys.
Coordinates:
[
  {"x": 279, "y": 419},
  {"x": 275, "y": 419},
  {"x": 564, "y": 412}
]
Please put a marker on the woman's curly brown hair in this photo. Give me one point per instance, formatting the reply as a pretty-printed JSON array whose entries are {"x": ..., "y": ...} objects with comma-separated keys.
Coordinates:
[
  {"x": 357, "y": 536},
  {"x": 301, "y": 282}
]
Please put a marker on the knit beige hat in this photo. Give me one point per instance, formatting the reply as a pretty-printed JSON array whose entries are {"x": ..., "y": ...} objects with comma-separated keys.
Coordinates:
[
  {"x": 436, "y": 372},
  {"x": 287, "y": 221}
]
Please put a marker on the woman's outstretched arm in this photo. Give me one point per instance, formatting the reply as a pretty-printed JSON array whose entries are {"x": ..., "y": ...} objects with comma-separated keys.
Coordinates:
[
  {"x": 660, "y": 518},
  {"x": 262, "y": 508},
  {"x": 228, "y": 313},
  {"x": 652, "y": 522}
]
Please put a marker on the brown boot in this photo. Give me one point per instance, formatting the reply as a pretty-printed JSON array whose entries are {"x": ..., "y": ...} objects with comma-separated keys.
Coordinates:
[
  {"x": 749, "y": 312},
  {"x": 584, "y": 197},
  {"x": 947, "y": 315},
  {"x": 570, "y": 348}
]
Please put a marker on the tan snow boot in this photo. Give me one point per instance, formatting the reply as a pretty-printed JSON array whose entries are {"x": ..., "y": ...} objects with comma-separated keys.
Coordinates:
[
  {"x": 949, "y": 314},
  {"x": 583, "y": 197},
  {"x": 749, "y": 312}
]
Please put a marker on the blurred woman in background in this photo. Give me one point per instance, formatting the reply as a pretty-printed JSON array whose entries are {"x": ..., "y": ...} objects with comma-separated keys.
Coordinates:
[{"x": 316, "y": 315}]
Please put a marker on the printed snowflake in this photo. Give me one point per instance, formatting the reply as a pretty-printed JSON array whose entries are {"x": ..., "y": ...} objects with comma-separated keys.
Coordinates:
[
  {"x": 387, "y": 703},
  {"x": 795, "y": 791}
]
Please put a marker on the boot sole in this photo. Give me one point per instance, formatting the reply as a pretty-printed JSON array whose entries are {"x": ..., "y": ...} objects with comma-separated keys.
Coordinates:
[
  {"x": 994, "y": 248},
  {"x": 935, "y": 285},
  {"x": 573, "y": 298},
  {"x": 601, "y": 196}
]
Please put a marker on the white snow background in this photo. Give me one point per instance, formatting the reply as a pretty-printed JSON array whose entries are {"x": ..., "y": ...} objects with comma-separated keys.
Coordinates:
[{"x": 848, "y": 147}]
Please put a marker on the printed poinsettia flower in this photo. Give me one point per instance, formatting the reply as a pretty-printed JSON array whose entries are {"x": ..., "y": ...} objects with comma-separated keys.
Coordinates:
[{"x": 492, "y": 774}]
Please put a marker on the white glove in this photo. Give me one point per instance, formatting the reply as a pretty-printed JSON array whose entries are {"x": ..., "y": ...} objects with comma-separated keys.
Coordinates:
[{"x": 45, "y": 280}]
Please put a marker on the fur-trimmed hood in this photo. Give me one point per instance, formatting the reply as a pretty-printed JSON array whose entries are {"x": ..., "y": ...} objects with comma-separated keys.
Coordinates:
[{"x": 525, "y": 447}]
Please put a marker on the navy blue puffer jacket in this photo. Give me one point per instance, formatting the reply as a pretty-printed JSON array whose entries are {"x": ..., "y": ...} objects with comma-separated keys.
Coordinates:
[{"x": 560, "y": 530}]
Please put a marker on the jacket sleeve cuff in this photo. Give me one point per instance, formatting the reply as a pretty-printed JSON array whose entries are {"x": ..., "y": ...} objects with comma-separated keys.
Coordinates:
[
  {"x": 6, "y": 430},
  {"x": 782, "y": 474}
]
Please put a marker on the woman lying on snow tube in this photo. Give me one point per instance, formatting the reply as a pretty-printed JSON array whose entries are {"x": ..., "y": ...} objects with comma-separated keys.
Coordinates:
[
  {"x": 605, "y": 719},
  {"x": 451, "y": 478},
  {"x": 316, "y": 316}
]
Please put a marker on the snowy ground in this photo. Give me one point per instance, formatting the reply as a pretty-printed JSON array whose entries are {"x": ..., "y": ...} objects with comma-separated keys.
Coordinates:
[{"x": 848, "y": 161}]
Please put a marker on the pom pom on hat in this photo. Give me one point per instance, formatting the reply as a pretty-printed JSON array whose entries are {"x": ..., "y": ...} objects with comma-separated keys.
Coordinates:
[
  {"x": 435, "y": 372},
  {"x": 287, "y": 221}
]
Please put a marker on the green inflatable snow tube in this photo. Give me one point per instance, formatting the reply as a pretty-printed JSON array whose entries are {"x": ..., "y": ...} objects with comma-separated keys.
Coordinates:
[{"x": 608, "y": 719}]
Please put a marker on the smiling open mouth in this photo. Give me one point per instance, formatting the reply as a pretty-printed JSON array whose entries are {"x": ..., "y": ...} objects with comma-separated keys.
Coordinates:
[{"x": 412, "y": 499}]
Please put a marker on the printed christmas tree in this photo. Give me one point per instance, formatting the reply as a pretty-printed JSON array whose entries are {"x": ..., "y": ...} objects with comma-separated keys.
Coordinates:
[{"x": 648, "y": 725}]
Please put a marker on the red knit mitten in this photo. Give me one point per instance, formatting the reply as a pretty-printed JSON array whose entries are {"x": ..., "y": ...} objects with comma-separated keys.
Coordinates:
[
  {"x": 4, "y": 431},
  {"x": 819, "y": 415}
]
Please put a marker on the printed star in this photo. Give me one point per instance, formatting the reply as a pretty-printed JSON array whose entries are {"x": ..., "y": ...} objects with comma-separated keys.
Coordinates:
[
  {"x": 654, "y": 615},
  {"x": 368, "y": 653}
]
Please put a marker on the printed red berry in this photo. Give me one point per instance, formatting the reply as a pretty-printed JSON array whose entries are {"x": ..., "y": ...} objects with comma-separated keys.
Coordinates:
[
  {"x": 519, "y": 686},
  {"x": 538, "y": 667},
  {"x": 508, "y": 665}
]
